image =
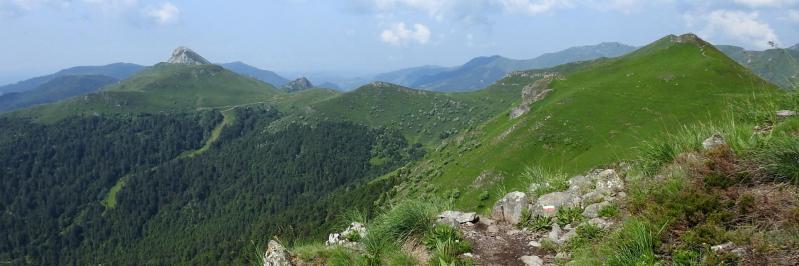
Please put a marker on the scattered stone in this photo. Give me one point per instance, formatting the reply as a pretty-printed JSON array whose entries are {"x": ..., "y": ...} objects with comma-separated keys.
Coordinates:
[
  {"x": 601, "y": 223},
  {"x": 349, "y": 237},
  {"x": 468, "y": 255},
  {"x": 493, "y": 229},
  {"x": 592, "y": 211},
  {"x": 608, "y": 182},
  {"x": 535, "y": 244},
  {"x": 513, "y": 232},
  {"x": 486, "y": 221},
  {"x": 713, "y": 142},
  {"x": 532, "y": 261},
  {"x": 510, "y": 207},
  {"x": 782, "y": 114},
  {"x": 554, "y": 234},
  {"x": 740, "y": 251},
  {"x": 456, "y": 217},
  {"x": 563, "y": 256},
  {"x": 276, "y": 255},
  {"x": 721, "y": 247},
  {"x": 592, "y": 197}
]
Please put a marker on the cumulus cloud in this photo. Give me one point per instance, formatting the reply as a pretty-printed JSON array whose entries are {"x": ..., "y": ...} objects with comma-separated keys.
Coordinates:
[
  {"x": 743, "y": 27},
  {"x": 766, "y": 3},
  {"x": 399, "y": 34},
  {"x": 164, "y": 14},
  {"x": 533, "y": 7}
]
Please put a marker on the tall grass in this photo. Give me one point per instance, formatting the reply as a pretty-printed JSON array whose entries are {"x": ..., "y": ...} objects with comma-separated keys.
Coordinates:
[
  {"x": 548, "y": 180},
  {"x": 388, "y": 231}
]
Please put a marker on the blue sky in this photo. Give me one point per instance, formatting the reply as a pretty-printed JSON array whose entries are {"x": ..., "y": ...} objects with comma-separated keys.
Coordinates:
[{"x": 361, "y": 36}]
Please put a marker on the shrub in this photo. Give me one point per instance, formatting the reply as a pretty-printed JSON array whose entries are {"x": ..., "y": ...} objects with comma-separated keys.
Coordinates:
[
  {"x": 535, "y": 222},
  {"x": 685, "y": 258}
]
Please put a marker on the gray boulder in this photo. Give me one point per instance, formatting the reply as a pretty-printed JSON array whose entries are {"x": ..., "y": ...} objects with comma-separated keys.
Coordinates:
[
  {"x": 456, "y": 217},
  {"x": 548, "y": 204},
  {"x": 785, "y": 114},
  {"x": 713, "y": 142},
  {"x": 510, "y": 207},
  {"x": 580, "y": 184},
  {"x": 276, "y": 255},
  {"x": 592, "y": 211}
]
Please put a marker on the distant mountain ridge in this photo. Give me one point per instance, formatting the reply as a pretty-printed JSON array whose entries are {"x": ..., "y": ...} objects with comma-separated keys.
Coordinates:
[
  {"x": 256, "y": 73},
  {"x": 54, "y": 90},
  {"x": 483, "y": 71},
  {"x": 297, "y": 85},
  {"x": 779, "y": 66},
  {"x": 116, "y": 70}
]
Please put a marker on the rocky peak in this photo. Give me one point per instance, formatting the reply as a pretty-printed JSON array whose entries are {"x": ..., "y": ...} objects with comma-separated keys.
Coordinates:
[
  {"x": 185, "y": 56},
  {"x": 299, "y": 84}
]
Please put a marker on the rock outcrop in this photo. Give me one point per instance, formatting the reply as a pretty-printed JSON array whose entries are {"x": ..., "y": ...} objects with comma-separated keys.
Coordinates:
[
  {"x": 349, "y": 238},
  {"x": 299, "y": 84},
  {"x": 531, "y": 94},
  {"x": 713, "y": 142},
  {"x": 276, "y": 255},
  {"x": 185, "y": 56},
  {"x": 456, "y": 218}
]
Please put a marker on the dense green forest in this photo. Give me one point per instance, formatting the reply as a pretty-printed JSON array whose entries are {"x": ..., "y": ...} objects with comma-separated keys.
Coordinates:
[{"x": 173, "y": 209}]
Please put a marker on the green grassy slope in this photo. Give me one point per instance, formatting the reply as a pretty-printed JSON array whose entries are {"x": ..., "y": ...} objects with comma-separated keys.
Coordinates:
[
  {"x": 163, "y": 88},
  {"x": 422, "y": 116},
  {"x": 596, "y": 115}
]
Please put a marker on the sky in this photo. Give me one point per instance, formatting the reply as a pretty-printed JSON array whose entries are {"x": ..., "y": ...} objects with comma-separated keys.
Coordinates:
[{"x": 361, "y": 36}]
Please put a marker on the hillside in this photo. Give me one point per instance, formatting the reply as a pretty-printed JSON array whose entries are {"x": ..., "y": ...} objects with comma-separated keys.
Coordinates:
[
  {"x": 780, "y": 66},
  {"x": 597, "y": 114},
  {"x": 482, "y": 71},
  {"x": 117, "y": 70},
  {"x": 54, "y": 90},
  {"x": 256, "y": 73},
  {"x": 163, "y": 88}
]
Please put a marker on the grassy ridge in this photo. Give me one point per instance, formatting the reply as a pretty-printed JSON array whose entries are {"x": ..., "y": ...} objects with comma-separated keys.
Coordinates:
[{"x": 596, "y": 115}]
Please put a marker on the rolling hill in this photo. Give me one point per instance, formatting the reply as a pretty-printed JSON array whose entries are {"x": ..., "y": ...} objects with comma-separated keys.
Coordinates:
[
  {"x": 780, "y": 66},
  {"x": 597, "y": 113},
  {"x": 117, "y": 70},
  {"x": 54, "y": 90}
]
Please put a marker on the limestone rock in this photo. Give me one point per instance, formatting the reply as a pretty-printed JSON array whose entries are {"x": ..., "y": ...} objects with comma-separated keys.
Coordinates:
[
  {"x": 510, "y": 207},
  {"x": 548, "y": 204},
  {"x": 349, "y": 237},
  {"x": 532, "y": 261},
  {"x": 785, "y": 113},
  {"x": 592, "y": 211},
  {"x": 185, "y": 56},
  {"x": 580, "y": 184},
  {"x": 713, "y": 142},
  {"x": 456, "y": 217},
  {"x": 276, "y": 255}
]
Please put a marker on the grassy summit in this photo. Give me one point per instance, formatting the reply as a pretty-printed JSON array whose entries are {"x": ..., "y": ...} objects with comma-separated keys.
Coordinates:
[{"x": 598, "y": 113}]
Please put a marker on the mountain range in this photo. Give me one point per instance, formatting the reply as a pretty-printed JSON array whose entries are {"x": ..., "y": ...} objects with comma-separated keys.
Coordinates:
[
  {"x": 780, "y": 66},
  {"x": 191, "y": 163}
]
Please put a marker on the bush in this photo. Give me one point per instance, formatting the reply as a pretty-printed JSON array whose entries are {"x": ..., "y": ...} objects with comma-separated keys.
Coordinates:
[
  {"x": 446, "y": 243},
  {"x": 685, "y": 258},
  {"x": 406, "y": 219},
  {"x": 535, "y": 222}
]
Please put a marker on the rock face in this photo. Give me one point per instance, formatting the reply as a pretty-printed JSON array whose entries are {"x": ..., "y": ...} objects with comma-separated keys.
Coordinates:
[
  {"x": 531, "y": 94},
  {"x": 532, "y": 261},
  {"x": 299, "y": 84},
  {"x": 510, "y": 207},
  {"x": 782, "y": 114},
  {"x": 276, "y": 255},
  {"x": 186, "y": 56},
  {"x": 713, "y": 142}
]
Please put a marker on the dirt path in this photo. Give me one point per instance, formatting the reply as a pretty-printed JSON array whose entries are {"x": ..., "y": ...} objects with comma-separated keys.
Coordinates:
[{"x": 500, "y": 243}]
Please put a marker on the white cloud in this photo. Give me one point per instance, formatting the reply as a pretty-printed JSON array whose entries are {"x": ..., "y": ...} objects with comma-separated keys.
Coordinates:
[
  {"x": 743, "y": 27},
  {"x": 398, "y": 34},
  {"x": 165, "y": 13},
  {"x": 12, "y": 8},
  {"x": 766, "y": 3},
  {"x": 533, "y": 7},
  {"x": 113, "y": 7}
]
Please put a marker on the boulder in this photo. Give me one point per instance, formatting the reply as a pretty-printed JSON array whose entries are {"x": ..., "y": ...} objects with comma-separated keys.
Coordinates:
[
  {"x": 276, "y": 255},
  {"x": 532, "y": 261},
  {"x": 609, "y": 184},
  {"x": 713, "y": 142},
  {"x": 782, "y": 114},
  {"x": 592, "y": 197},
  {"x": 580, "y": 184},
  {"x": 456, "y": 217},
  {"x": 601, "y": 223},
  {"x": 592, "y": 211},
  {"x": 510, "y": 207},
  {"x": 554, "y": 234},
  {"x": 548, "y": 204}
]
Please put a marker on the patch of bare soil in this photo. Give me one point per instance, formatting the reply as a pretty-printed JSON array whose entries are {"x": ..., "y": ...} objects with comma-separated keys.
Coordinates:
[{"x": 501, "y": 244}]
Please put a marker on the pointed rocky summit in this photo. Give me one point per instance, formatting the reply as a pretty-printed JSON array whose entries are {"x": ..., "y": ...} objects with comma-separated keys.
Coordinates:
[
  {"x": 185, "y": 56},
  {"x": 299, "y": 84}
]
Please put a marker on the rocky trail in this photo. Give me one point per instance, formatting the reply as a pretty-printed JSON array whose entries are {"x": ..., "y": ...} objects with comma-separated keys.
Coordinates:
[{"x": 499, "y": 243}]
